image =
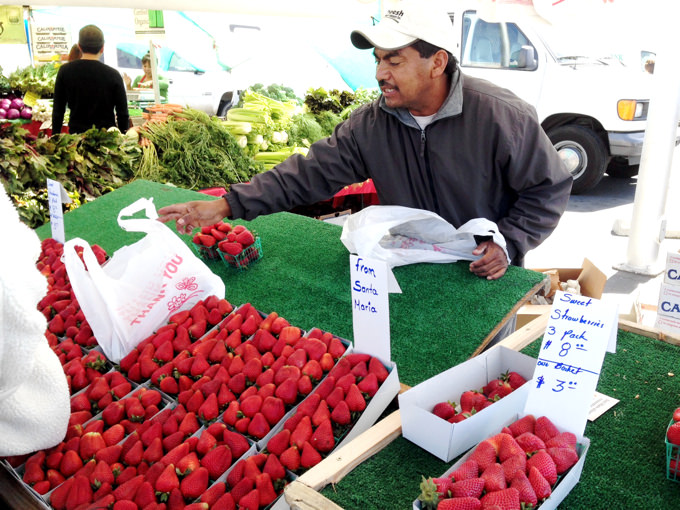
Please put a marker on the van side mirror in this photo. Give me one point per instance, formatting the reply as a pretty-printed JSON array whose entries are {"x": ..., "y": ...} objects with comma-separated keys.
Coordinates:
[{"x": 527, "y": 59}]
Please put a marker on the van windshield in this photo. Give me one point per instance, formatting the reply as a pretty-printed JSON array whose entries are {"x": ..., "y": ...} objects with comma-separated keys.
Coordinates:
[{"x": 569, "y": 47}]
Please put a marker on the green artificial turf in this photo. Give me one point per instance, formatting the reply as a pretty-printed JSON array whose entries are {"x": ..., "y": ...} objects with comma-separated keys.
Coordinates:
[
  {"x": 625, "y": 466},
  {"x": 442, "y": 316}
]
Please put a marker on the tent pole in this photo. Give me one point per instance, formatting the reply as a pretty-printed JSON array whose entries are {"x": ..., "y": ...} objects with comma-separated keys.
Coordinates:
[{"x": 648, "y": 223}]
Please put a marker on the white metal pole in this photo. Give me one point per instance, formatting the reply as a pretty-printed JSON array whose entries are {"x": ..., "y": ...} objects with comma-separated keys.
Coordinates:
[{"x": 648, "y": 221}]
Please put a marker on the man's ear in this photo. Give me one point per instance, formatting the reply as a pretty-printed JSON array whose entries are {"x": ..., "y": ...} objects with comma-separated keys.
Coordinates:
[{"x": 439, "y": 61}]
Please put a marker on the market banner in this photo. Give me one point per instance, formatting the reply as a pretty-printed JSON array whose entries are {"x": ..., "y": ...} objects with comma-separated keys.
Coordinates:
[{"x": 12, "y": 29}]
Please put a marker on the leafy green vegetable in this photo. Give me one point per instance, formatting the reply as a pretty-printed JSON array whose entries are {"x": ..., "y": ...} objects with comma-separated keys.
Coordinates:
[
  {"x": 305, "y": 130},
  {"x": 5, "y": 87},
  {"x": 194, "y": 151},
  {"x": 274, "y": 91},
  {"x": 39, "y": 79}
]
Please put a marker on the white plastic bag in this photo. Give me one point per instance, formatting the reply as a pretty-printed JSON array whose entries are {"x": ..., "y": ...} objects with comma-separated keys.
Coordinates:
[
  {"x": 402, "y": 235},
  {"x": 141, "y": 285}
]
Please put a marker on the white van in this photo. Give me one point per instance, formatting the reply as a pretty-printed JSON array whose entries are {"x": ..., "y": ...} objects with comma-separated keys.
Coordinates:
[{"x": 592, "y": 106}]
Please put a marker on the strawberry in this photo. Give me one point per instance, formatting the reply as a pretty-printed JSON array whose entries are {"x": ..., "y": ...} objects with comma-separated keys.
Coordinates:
[
  {"x": 273, "y": 409},
  {"x": 564, "y": 458},
  {"x": 513, "y": 465},
  {"x": 236, "y": 442},
  {"x": 541, "y": 486},
  {"x": 322, "y": 439},
  {"x": 195, "y": 483},
  {"x": 542, "y": 461},
  {"x": 265, "y": 490},
  {"x": 302, "y": 432},
  {"x": 215, "y": 492},
  {"x": 290, "y": 458},
  {"x": 355, "y": 400},
  {"x": 217, "y": 461},
  {"x": 676, "y": 414},
  {"x": 525, "y": 424},
  {"x": 472, "y": 487},
  {"x": 309, "y": 456},
  {"x": 250, "y": 501},
  {"x": 341, "y": 414},
  {"x": 258, "y": 426},
  {"x": 102, "y": 474},
  {"x": 464, "y": 503},
  {"x": 246, "y": 238},
  {"x": 70, "y": 463},
  {"x": 484, "y": 454},
  {"x": 59, "y": 495},
  {"x": 514, "y": 379},
  {"x": 545, "y": 429},
  {"x": 278, "y": 443},
  {"x": 80, "y": 493},
  {"x": 673, "y": 433},
  {"x": 527, "y": 494},
  {"x": 530, "y": 442},
  {"x": 287, "y": 391},
  {"x": 209, "y": 409},
  {"x": 494, "y": 478},
  {"x": 187, "y": 464},
  {"x": 468, "y": 469},
  {"x": 508, "y": 447},
  {"x": 205, "y": 443},
  {"x": 505, "y": 499},
  {"x": 563, "y": 440},
  {"x": 230, "y": 247},
  {"x": 128, "y": 489},
  {"x": 274, "y": 468}
]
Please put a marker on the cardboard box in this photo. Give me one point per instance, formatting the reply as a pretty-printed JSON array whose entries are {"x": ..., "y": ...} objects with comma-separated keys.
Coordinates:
[
  {"x": 589, "y": 277},
  {"x": 560, "y": 491},
  {"x": 448, "y": 440}
]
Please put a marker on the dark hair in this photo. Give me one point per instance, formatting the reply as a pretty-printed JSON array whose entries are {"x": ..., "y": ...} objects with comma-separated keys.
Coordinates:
[
  {"x": 146, "y": 58},
  {"x": 426, "y": 50},
  {"x": 91, "y": 39}
]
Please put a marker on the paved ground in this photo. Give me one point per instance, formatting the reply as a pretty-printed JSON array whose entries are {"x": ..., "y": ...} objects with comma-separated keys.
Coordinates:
[{"x": 585, "y": 230}]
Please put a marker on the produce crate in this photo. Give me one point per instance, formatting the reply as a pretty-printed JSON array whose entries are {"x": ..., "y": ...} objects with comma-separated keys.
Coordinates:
[
  {"x": 206, "y": 252},
  {"x": 248, "y": 256},
  {"x": 672, "y": 459}
]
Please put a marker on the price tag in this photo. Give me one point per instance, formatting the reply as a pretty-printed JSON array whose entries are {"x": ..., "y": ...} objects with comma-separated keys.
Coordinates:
[
  {"x": 31, "y": 98},
  {"x": 579, "y": 331},
  {"x": 57, "y": 196},
  {"x": 370, "y": 306}
]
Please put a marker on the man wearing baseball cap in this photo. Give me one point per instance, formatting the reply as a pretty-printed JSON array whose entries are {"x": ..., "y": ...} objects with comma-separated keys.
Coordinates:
[
  {"x": 435, "y": 139},
  {"x": 93, "y": 91}
]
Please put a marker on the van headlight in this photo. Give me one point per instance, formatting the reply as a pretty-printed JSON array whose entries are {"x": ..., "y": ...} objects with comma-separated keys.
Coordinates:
[{"x": 631, "y": 109}]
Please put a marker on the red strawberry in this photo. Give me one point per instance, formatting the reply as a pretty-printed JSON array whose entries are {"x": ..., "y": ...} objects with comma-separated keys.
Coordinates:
[
  {"x": 80, "y": 493},
  {"x": 673, "y": 433},
  {"x": 541, "y": 486},
  {"x": 513, "y": 465},
  {"x": 279, "y": 442},
  {"x": 265, "y": 489},
  {"x": 246, "y": 238},
  {"x": 484, "y": 454},
  {"x": 209, "y": 409},
  {"x": 250, "y": 501},
  {"x": 341, "y": 414},
  {"x": 527, "y": 494},
  {"x": 236, "y": 442},
  {"x": 230, "y": 247},
  {"x": 542, "y": 461},
  {"x": 563, "y": 439},
  {"x": 70, "y": 463},
  {"x": 187, "y": 464},
  {"x": 355, "y": 400},
  {"x": 309, "y": 456},
  {"x": 195, "y": 483},
  {"x": 258, "y": 426},
  {"x": 676, "y": 414},
  {"x": 322, "y": 439},
  {"x": 217, "y": 461},
  {"x": 504, "y": 499},
  {"x": 290, "y": 458},
  {"x": 128, "y": 489},
  {"x": 468, "y": 469},
  {"x": 508, "y": 447},
  {"x": 472, "y": 487},
  {"x": 564, "y": 458},
  {"x": 274, "y": 468},
  {"x": 545, "y": 429},
  {"x": 514, "y": 379},
  {"x": 524, "y": 424},
  {"x": 494, "y": 478},
  {"x": 464, "y": 503},
  {"x": 530, "y": 442}
]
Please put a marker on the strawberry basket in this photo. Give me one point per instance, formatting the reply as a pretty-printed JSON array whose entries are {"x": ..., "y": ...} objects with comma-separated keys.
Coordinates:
[
  {"x": 243, "y": 260},
  {"x": 672, "y": 459},
  {"x": 205, "y": 252}
]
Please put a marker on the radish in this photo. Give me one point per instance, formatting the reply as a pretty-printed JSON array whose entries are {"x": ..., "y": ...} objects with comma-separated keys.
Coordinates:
[
  {"x": 5, "y": 104},
  {"x": 3, "y": 113},
  {"x": 17, "y": 103},
  {"x": 13, "y": 113},
  {"x": 26, "y": 112}
]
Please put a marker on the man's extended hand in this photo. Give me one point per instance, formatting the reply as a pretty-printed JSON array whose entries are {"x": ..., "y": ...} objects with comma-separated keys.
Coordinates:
[
  {"x": 493, "y": 263},
  {"x": 191, "y": 215}
]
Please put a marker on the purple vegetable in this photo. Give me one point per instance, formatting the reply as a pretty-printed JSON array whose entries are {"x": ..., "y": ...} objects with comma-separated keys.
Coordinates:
[
  {"x": 5, "y": 104},
  {"x": 26, "y": 112},
  {"x": 13, "y": 113},
  {"x": 3, "y": 113},
  {"x": 17, "y": 103}
]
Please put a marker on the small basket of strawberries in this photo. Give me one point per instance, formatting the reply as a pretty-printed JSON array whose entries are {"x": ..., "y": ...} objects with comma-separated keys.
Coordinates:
[
  {"x": 204, "y": 242},
  {"x": 673, "y": 447},
  {"x": 240, "y": 248}
]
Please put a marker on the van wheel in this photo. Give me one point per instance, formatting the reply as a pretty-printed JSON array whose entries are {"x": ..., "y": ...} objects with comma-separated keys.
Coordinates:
[
  {"x": 620, "y": 169},
  {"x": 583, "y": 153}
]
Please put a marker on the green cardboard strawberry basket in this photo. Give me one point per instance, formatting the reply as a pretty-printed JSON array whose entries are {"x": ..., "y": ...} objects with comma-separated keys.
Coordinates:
[
  {"x": 672, "y": 459},
  {"x": 248, "y": 256}
]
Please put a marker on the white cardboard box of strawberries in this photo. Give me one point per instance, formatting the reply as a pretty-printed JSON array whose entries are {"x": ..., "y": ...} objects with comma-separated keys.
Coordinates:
[{"x": 448, "y": 439}]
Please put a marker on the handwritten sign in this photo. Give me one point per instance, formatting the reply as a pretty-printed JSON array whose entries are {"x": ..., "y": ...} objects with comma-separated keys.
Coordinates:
[
  {"x": 370, "y": 306},
  {"x": 57, "y": 196},
  {"x": 579, "y": 331}
]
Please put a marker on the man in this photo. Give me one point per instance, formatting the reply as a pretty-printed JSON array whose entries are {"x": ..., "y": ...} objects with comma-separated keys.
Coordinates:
[
  {"x": 91, "y": 89},
  {"x": 437, "y": 140}
]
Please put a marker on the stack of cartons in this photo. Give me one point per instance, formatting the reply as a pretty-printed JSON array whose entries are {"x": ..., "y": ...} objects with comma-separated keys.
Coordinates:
[{"x": 668, "y": 309}]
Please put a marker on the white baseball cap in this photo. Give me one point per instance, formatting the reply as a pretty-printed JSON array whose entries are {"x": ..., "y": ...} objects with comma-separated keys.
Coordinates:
[{"x": 405, "y": 22}]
